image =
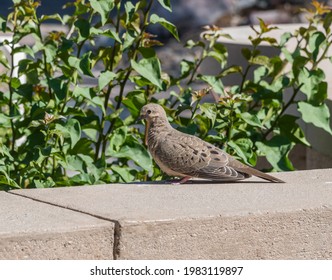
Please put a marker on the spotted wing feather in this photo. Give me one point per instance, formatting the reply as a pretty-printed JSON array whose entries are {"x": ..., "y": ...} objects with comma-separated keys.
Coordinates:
[{"x": 191, "y": 156}]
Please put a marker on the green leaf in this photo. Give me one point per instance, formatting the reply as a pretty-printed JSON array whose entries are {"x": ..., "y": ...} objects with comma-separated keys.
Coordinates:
[
  {"x": 61, "y": 130},
  {"x": 147, "y": 52},
  {"x": 166, "y": 4},
  {"x": 276, "y": 151},
  {"x": 299, "y": 63},
  {"x": 50, "y": 52},
  {"x": 186, "y": 68},
  {"x": 105, "y": 78},
  {"x": 15, "y": 83},
  {"x": 74, "y": 62},
  {"x": 260, "y": 60},
  {"x": 129, "y": 38},
  {"x": 134, "y": 101},
  {"x": 4, "y": 151},
  {"x": 289, "y": 128},
  {"x": 210, "y": 111},
  {"x": 327, "y": 22},
  {"x": 315, "y": 40},
  {"x": 246, "y": 53},
  {"x": 251, "y": 119},
  {"x": 41, "y": 184},
  {"x": 84, "y": 145},
  {"x": 51, "y": 17},
  {"x": 24, "y": 49},
  {"x": 260, "y": 73},
  {"x": 284, "y": 38},
  {"x": 264, "y": 27},
  {"x": 130, "y": 11},
  {"x": 3, "y": 24},
  {"x": 118, "y": 138},
  {"x": 59, "y": 87},
  {"x": 73, "y": 162},
  {"x": 103, "y": 7},
  {"x": 135, "y": 151},
  {"x": 191, "y": 44},
  {"x": 214, "y": 82},
  {"x": 3, "y": 60},
  {"x": 150, "y": 69},
  {"x": 243, "y": 148},
  {"x": 6, "y": 182},
  {"x": 74, "y": 128},
  {"x": 112, "y": 34},
  {"x": 83, "y": 27},
  {"x": 270, "y": 40},
  {"x": 313, "y": 85},
  {"x": 319, "y": 116},
  {"x": 82, "y": 91},
  {"x": 230, "y": 70},
  {"x": 165, "y": 23},
  {"x": 126, "y": 173},
  {"x": 88, "y": 94},
  {"x": 85, "y": 64},
  {"x": 219, "y": 53}
]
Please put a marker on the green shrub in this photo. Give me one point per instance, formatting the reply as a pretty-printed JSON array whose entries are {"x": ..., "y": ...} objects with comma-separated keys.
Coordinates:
[{"x": 55, "y": 130}]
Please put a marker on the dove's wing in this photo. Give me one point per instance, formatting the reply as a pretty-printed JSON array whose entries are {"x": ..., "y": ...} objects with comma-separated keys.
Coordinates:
[{"x": 191, "y": 156}]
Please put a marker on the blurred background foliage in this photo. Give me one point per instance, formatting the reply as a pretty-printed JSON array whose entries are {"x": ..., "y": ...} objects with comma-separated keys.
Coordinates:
[{"x": 57, "y": 129}]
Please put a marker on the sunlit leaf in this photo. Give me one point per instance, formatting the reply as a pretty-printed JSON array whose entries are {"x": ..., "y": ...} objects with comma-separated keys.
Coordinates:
[
  {"x": 135, "y": 151},
  {"x": 74, "y": 129},
  {"x": 276, "y": 151},
  {"x": 134, "y": 101},
  {"x": 150, "y": 69},
  {"x": 317, "y": 115},
  {"x": 169, "y": 26},
  {"x": 166, "y": 4},
  {"x": 85, "y": 64},
  {"x": 243, "y": 148},
  {"x": 127, "y": 174},
  {"x": 103, "y": 7},
  {"x": 3, "y": 60},
  {"x": 105, "y": 78},
  {"x": 251, "y": 119},
  {"x": 118, "y": 138},
  {"x": 289, "y": 128},
  {"x": 210, "y": 111},
  {"x": 315, "y": 41}
]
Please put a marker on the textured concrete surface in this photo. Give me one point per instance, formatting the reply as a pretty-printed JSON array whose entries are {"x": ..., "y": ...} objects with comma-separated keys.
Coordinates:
[
  {"x": 293, "y": 235},
  {"x": 35, "y": 230},
  {"x": 245, "y": 220}
]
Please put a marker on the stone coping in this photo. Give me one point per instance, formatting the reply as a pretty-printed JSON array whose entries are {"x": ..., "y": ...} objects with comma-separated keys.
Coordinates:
[{"x": 252, "y": 219}]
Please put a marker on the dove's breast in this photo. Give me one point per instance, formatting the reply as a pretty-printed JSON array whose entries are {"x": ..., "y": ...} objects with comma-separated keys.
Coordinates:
[{"x": 164, "y": 157}]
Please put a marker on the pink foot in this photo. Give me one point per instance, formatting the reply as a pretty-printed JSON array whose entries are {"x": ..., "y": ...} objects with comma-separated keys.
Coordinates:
[{"x": 182, "y": 181}]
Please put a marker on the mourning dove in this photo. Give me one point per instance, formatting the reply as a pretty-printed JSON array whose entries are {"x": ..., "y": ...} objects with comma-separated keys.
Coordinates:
[{"x": 186, "y": 156}]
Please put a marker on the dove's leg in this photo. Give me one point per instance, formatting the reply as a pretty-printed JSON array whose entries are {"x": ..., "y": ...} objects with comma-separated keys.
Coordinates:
[{"x": 182, "y": 181}]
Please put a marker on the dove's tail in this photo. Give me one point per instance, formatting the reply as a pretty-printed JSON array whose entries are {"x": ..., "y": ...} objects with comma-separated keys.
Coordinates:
[{"x": 265, "y": 176}]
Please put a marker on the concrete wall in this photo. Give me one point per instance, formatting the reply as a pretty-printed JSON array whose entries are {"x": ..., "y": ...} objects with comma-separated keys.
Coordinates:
[{"x": 252, "y": 219}]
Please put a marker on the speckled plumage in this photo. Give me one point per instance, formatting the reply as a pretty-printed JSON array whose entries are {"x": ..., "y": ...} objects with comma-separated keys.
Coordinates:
[{"x": 185, "y": 156}]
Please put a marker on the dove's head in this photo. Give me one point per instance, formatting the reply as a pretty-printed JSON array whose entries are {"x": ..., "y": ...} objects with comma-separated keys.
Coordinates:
[{"x": 151, "y": 112}]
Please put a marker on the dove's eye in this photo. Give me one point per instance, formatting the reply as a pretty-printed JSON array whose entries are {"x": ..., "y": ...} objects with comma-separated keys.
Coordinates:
[{"x": 149, "y": 112}]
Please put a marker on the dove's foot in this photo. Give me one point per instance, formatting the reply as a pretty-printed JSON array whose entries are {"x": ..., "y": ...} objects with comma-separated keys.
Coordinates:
[{"x": 181, "y": 181}]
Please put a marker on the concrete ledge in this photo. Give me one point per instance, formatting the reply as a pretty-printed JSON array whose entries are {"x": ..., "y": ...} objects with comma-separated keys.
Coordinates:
[
  {"x": 35, "y": 230},
  {"x": 246, "y": 220},
  {"x": 298, "y": 235}
]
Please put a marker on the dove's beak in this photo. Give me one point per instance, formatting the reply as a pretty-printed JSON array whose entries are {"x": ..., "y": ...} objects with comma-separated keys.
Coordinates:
[{"x": 141, "y": 117}]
